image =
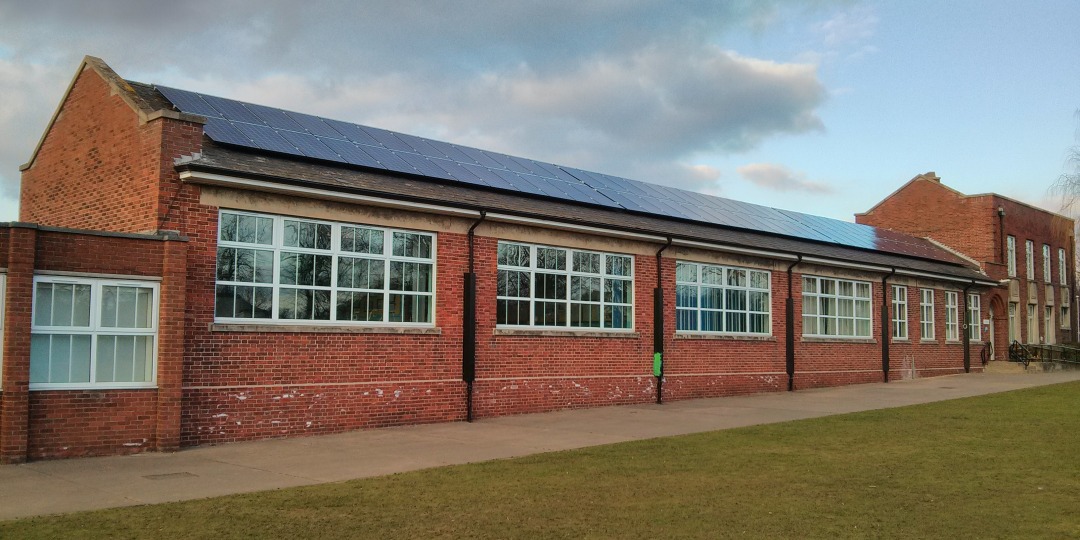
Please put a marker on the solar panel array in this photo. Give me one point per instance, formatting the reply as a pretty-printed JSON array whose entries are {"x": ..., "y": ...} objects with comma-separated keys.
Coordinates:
[{"x": 253, "y": 126}]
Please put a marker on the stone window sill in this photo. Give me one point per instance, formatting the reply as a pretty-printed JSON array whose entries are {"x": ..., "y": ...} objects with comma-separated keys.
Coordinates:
[
  {"x": 861, "y": 341},
  {"x": 564, "y": 333},
  {"x": 321, "y": 329}
]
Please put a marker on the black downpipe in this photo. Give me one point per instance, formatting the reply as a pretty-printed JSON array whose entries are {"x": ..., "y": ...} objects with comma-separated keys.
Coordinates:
[
  {"x": 658, "y": 325},
  {"x": 468, "y": 331},
  {"x": 967, "y": 334},
  {"x": 790, "y": 333},
  {"x": 886, "y": 324}
]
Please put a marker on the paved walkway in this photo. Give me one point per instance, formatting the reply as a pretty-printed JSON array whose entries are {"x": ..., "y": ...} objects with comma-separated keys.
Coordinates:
[{"x": 50, "y": 487}]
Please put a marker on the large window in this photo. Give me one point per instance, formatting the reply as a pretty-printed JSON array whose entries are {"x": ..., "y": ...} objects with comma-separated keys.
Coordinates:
[
  {"x": 926, "y": 312},
  {"x": 1046, "y": 263},
  {"x": 836, "y": 307},
  {"x": 298, "y": 270},
  {"x": 1011, "y": 242},
  {"x": 549, "y": 286},
  {"x": 952, "y": 316},
  {"x": 899, "y": 312},
  {"x": 90, "y": 333},
  {"x": 1029, "y": 252},
  {"x": 974, "y": 317},
  {"x": 1063, "y": 274},
  {"x": 711, "y": 298}
]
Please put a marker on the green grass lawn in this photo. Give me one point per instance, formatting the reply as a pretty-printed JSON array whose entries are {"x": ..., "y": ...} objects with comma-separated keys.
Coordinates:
[{"x": 999, "y": 466}]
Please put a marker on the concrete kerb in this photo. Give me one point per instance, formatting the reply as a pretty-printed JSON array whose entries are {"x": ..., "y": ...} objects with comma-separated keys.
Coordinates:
[{"x": 50, "y": 487}]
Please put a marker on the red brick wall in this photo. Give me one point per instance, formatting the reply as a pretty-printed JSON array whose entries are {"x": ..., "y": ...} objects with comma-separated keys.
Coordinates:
[
  {"x": 247, "y": 385},
  {"x": 97, "y": 167},
  {"x": 68, "y": 423},
  {"x": 75, "y": 423}
]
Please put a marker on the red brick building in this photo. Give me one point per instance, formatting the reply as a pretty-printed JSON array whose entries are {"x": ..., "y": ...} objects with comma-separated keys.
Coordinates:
[
  {"x": 195, "y": 270},
  {"x": 1028, "y": 249}
]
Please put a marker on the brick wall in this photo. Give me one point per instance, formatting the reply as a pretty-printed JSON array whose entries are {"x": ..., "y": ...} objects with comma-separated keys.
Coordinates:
[
  {"x": 97, "y": 167},
  {"x": 68, "y": 423}
]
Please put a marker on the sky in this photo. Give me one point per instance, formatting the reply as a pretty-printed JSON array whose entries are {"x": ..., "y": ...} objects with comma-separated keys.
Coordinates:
[{"x": 820, "y": 106}]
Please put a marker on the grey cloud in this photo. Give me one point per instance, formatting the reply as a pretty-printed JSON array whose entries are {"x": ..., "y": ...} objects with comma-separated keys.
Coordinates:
[
  {"x": 780, "y": 178},
  {"x": 632, "y": 88}
]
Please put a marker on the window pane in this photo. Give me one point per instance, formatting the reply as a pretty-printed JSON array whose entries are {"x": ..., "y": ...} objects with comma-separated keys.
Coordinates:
[
  {"x": 549, "y": 314},
  {"x": 735, "y": 322},
  {"x": 712, "y": 275},
  {"x": 686, "y": 272},
  {"x": 585, "y": 289},
  {"x": 617, "y": 316},
  {"x": 809, "y": 285},
  {"x": 226, "y": 264},
  {"x": 584, "y": 262},
  {"x": 685, "y": 319},
  {"x": 759, "y": 323},
  {"x": 550, "y": 286},
  {"x": 43, "y": 298},
  {"x": 736, "y": 300},
  {"x": 585, "y": 315},
  {"x": 618, "y": 266},
  {"x": 810, "y": 325},
  {"x": 39, "y": 357},
  {"x": 736, "y": 278},
  {"x": 227, "y": 228},
  {"x": 108, "y": 306},
  {"x": 759, "y": 301},
  {"x": 551, "y": 258},
  {"x": 81, "y": 310},
  {"x": 759, "y": 280},
  {"x": 512, "y": 312},
  {"x": 106, "y": 359},
  {"x": 125, "y": 358},
  {"x": 62, "y": 303},
  {"x": 617, "y": 291},
  {"x": 686, "y": 296},
  {"x": 125, "y": 310},
  {"x": 712, "y": 321}
]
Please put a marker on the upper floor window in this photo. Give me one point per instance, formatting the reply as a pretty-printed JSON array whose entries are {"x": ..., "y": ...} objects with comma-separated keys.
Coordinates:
[
  {"x": 1063, "y": 273},
  {"x": 275, "y": 268},
  {"x": 93, "y": 333},
  {"x": 710, "y": 298},
  {"x": 974, "y": 317},
  {"x": 952, "y": 316},
  {"x": 899, "y": 314},
  {"x": 1029, "y": 252},
  {"x": 836, "y": 307},
  {"x": 926, "y": 311},
  {"x": 570, "y": 288},
  {"x": 1046, "y": 263},
  {"x": 1011, "y": 255}
]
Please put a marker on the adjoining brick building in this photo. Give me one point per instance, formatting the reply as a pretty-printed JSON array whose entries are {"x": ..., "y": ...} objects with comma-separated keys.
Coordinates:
[
  {"x": 195, "y": 270},
  {"x": 1029, "y": 249}
]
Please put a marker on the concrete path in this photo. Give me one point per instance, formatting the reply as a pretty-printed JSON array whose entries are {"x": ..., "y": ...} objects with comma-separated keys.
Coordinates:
[{"x": 50, "y": 487}]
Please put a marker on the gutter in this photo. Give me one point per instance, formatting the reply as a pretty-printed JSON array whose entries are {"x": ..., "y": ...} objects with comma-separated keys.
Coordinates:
[
  {"x": 886, "y": 324},
  {"x": 789, "y": 338},
  {"x": 468, "y": 330},
  {"x": 658, "y": 325}
]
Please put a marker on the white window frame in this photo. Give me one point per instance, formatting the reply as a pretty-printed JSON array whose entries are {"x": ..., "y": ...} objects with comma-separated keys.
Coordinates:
[
  {"x": 952, "y": 316},
  {"x": 1029, "y": 247},
  {"x": 1064, "y": 322},
  {"x": 1046, "y": 263},
  {"x": 926, "y": 314},
  {"x": 698, "y": 285},
  {"x": 1011, "y": 258},
  {"x": 1033, "y": 324},
  {"x": 974, "y": 317},
  {"x": 1062, "y": 271},
  {"x": 335, "y": 251},
  {"x": 95, "y": 329},
  {"x": 815, "y": 299},
  {"x": 1048, "y": 322},
  {"x": 569, "y": 273},
  {"x": 900, "y": 313}
]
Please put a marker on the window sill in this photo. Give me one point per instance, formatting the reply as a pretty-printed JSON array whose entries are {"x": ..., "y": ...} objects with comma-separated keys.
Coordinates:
[
  {"x": 928, "y": 341},
  {"x": 722, "y": 337},
  {"x": 564, "y": 333},
  {"x": 815, "y": 339},
  {"x": 321, "y": 329},
  {"x": 88, "y": 388}
]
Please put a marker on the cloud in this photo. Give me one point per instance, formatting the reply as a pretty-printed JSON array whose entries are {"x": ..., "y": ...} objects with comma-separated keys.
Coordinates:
[
  {"x": 780, "y": 178},
  {"x": 847, "y": 28},
  {"x": 638, "y": 89}
]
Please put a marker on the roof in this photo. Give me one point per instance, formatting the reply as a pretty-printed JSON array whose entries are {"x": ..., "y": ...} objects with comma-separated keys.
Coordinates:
[
  {"x": 221, "y": 159},
  {"x": 255, "y": 141}
]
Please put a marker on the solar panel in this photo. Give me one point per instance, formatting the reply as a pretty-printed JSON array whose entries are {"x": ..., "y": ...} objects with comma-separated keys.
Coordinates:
[
  {"x": 189, "y": 102},
  {"x": 352, "y": 153},
  {"x": 390, "y": 160},
  {"x": 315, "y": 125},
  {"x": 232, "y": 110},
  {"x": 424, "y": 165},
  {"x": 310, "y": 145},
  {"x": 387, "y": 139},
  {"x": 222, "y": 130},
  {"x": 275, "y": 118},
  {"x": 247, "y": 125},
  {"x": 353, "y": 132},
  {"x": 266, "y": 138}
]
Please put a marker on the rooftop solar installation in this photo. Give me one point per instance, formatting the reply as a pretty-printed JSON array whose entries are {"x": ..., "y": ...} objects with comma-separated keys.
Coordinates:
[{"x": 252, "y": 126}]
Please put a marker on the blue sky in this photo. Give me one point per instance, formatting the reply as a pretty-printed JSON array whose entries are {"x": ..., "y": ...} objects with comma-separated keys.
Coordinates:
[{"x": 822, "y": 107}]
